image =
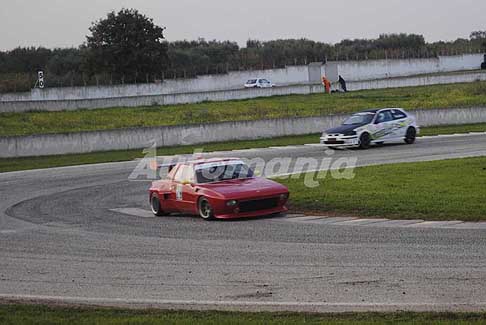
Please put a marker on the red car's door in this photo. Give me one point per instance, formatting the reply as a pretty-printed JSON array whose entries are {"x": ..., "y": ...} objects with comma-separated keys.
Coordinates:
[
  {"x": 189, "y": 198},
  {"x": 165, "y": 195},
  {"x": 183, "y": 194}
]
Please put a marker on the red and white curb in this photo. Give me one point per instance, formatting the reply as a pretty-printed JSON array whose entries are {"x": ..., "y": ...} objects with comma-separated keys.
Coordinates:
[
  {"x": 341, "y": 221},
  {"x": 385, "y": 223}
]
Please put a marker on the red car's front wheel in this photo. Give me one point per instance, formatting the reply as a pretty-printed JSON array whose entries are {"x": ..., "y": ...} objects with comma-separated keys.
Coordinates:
[
  {"x": 155, "y": 205},
  {"x": 205, "y": 210}
]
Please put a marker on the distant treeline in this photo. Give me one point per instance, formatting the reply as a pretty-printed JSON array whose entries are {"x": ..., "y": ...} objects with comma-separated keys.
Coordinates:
[{"x": 71, "y": 66}]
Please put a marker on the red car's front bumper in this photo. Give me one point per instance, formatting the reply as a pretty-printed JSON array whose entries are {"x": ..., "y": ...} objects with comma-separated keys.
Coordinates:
[{"x": 253, "y": 214}]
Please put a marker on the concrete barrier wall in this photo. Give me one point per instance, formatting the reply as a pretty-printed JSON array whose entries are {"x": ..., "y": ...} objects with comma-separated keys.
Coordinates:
[
  {"x": 460, "y": 62},
  {"x": 453, "y": 116},
  {"x": 351, "y": 70},
  {"x": 141, "y": 101},
  {"x": 124, "y": 139},
  {"x": 379, "y": 69},
  {"x": 450, "y": 78},
  {"x": 224, "y": 95},
  {"x": 232, "y": 80}
]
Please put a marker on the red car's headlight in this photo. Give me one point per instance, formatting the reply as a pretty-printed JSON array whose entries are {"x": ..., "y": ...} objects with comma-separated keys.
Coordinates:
[
  {"x": 232, "y": 203},
  {"x": 284, "y": 197}
]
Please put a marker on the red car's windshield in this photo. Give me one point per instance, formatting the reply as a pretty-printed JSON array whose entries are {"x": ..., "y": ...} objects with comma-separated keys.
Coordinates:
[{"x": 222, "y": 172}]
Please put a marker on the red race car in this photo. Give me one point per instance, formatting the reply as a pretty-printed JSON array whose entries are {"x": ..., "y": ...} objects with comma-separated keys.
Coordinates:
[{"x": 217, "y": 188}]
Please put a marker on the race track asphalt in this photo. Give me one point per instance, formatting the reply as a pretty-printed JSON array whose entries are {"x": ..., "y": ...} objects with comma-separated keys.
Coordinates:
[{"x": 61, "y": 241}]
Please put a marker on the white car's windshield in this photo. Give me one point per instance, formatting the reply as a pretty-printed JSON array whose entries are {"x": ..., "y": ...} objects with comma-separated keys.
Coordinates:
[
  {"x": 252, "y": 81},
  {"x": 220, "y": 172},
  {"x": 360, "y": 118}
]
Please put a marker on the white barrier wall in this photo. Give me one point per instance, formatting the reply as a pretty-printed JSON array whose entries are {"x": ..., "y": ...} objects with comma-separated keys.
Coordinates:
[
  {"x": 232, "y": 80},
  {"x": 461, "y": 62},
  {"x": 137, "y": 138},
  {"x": 380, "y": 69}
]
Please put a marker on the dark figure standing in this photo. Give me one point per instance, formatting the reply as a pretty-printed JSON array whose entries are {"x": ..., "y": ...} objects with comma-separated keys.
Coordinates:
[{"x": 342, "y": 82}]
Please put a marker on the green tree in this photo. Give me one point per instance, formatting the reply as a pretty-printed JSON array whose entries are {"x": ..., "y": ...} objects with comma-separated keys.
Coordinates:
[
  {"x": 127, "y": 45},
  {"x": 478, "y": 35}
]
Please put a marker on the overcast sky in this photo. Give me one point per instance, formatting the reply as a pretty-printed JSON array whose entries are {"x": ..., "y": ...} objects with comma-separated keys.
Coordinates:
[{"x": 64, "y": 23}]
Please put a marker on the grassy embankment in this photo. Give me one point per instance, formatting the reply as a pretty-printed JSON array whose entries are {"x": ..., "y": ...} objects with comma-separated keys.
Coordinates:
[
  {"x": 438, "y": 190},
  {"x": 443, "y": 96},
  {"x": 42, "y": 315}
]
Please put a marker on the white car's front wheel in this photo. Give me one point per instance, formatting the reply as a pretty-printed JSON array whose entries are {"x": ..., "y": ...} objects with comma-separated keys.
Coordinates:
[{"x": 365, "y": 141}]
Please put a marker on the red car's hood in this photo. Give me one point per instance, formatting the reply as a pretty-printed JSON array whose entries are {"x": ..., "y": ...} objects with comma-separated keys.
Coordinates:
[{"x": 245, "y": 188}]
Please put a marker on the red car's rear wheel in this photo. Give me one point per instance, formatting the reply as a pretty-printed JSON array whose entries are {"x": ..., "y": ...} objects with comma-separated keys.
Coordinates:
[{"x": 205, "y": 210}]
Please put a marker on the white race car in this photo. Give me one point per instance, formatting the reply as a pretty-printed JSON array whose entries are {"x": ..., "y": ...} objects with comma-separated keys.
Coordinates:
[{"x": 375, "y": 126}]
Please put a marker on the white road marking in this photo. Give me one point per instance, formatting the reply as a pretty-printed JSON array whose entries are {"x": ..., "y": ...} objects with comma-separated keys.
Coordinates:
[
  {"x": 467, "y": 225},
  {"x": 396, "y": 223},
  {"x": 455, "y": 135},
  {"x": 135, "y": 212},
  {"x": 434, "y": 224},
  {"x": 361, "y": 222},
  {"x": 319, "y": 220},
  {"x": 292, "y": 216},
  {"x": 304, "y": 218},
  {"x": 5, "y": 232},
  {"x": 286, "y": 147},
  {"x": 246, "y": 150},
  {"x": 280, "y": 305}
]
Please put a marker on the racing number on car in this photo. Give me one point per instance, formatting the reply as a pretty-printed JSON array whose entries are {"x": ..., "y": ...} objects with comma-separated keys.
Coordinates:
[{"x": 179, "y": 192}]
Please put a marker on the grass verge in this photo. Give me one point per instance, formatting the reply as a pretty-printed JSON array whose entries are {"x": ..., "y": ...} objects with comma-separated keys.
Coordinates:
[
  {"x": 444, "y": 96},
  {"x": 438, "y": 190},
  {"x": 16, "y": 164},
  {"x": 451, "y": 129},
  {"x": 40, "y": 315}
]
